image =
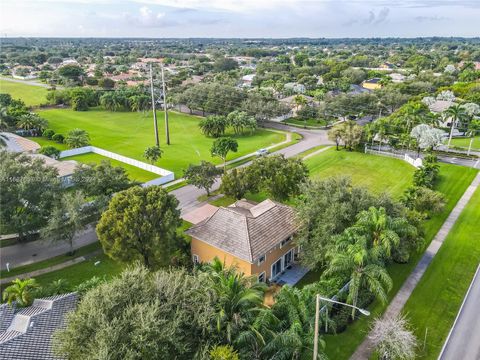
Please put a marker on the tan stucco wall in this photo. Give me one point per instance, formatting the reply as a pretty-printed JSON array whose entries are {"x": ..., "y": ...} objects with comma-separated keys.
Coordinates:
[
  {"x": 207, "y": 253},
  {"x": 270, "y": 258},
  {"x": 371, "y": 86}
]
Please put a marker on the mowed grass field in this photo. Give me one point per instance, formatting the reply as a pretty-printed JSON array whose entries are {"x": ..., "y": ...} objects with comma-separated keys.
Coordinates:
[
  {"x": 130, "y": 133},
  {"x": 378, "y": 173},
  {"x": 438, "y": 296},
  {"x": 29, "y": 94},
  {"x": 465, "y": 142},
  {"x": 133, "y": 172},
  {"x": 453, "y": 182}
]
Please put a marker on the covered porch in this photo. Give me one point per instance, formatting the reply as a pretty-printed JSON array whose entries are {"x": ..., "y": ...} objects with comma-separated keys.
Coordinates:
[{"x": 291, "y": 275}]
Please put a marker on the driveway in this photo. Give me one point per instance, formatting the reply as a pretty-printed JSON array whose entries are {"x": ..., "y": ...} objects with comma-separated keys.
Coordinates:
[
  {"x": 463, "y": 341},
  {"x": 23, "y": 254}
]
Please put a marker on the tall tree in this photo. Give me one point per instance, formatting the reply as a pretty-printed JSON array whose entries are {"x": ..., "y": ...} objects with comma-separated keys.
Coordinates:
[
  {"x": 221, "y": 147},
  {"x": 353, "y": 256},
  {"x": 141, "y": 224},
  {"x": 69, "y": 216},
  {"x": 202, "y": 176},
  {"x": 237, "y": 182},
  {"x": 278, "y": 176},
  {"x": 457, "y": 114},
  {"x": 26, "y": 203}
]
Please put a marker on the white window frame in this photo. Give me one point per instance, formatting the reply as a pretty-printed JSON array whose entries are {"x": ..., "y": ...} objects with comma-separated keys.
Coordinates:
[
  {"x": 264, "y": 277},
  {"x": 260, "y": 261},
  {"x": 292, "y": 253},
  {"x": 196, "y": 259},
  {"x": 273, "y": 264}
]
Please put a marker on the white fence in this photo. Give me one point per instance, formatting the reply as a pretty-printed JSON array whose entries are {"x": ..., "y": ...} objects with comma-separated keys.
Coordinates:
[
  {"x": 165, "y": 175},
  {"x": 415, "y": 162}
]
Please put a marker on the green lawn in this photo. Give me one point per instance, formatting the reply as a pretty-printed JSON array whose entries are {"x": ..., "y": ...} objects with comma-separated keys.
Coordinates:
[
  {"x": 453, "y": 182},
  {"x": 437, "y": 298},
  {"x": 378, "y": 173},
  {"x": 134, "y": 173},
  {"x": 31, "y": 95},
  {"x": 465, "y": 142},
  {"x": 129, "y": 133},
  {"x": 46, "y": 142},
  {"x": 308, "y": 122}
]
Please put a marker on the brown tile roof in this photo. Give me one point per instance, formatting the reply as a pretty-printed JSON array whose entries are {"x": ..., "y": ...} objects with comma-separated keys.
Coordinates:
[
  {"x": 198, "y": 215},
  {"x": 245, "y": 229}
]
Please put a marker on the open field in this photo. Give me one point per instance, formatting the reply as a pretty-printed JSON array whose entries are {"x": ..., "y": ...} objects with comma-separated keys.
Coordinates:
[
  {"x": 453, "y": 182},
  {"x": 301, "y": 123},
  {"x": 438, "y": 296},
  {"x": 465, "y": 142},
  {"x": 129, "y": 133},
  {"x": 378, "y": 173},
  {"x": 133, "y": 172},
  {"x": 29, "y": 94}
]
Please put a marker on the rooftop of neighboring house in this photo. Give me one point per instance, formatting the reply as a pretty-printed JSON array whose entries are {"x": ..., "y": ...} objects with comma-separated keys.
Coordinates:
[
  {"x": 440, "y": 106},
  {"x": 246, "y": 229},
  {"x": 64, "y": 168},
  {"x": 372, "y": 81},
  {"x": 16, "y": 143},
  {"x": 26, "y": 333}
]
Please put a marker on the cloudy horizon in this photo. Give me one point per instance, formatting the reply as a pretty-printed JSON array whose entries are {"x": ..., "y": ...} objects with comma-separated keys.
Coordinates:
[{"x": 239, "y": 19}]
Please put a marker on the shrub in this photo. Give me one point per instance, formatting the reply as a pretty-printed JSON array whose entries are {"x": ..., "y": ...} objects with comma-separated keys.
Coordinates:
[
  {"x": 85, "y": 286},
  {"x": 48, "y": 133},
  {"x": 50, "y": 151},
  {"x": 58, "y": 138}
]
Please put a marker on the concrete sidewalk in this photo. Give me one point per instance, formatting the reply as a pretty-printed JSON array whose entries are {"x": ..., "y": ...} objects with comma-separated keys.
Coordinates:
[{"x": 364, "y": 351}]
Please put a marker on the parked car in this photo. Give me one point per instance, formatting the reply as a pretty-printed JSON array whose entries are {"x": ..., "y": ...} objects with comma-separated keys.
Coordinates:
[{"x": 262, "y": 152}]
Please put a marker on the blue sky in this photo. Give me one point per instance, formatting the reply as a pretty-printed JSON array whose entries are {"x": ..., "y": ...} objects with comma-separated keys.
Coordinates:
[{"x": 240, "y": 18}]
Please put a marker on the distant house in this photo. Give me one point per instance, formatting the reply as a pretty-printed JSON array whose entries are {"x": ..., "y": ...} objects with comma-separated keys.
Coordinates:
[
  {"x": 295, "y": 87},
  {"x": 65, "y": 168},
  {"x": 255, "y": 238},
  {"x": 372, "y": 84},
  {"x": 69, "y": 62},
  {"x": 247, "y": 80},
  {"x": 16, "y": 143},
  {"x": 439, "y": 106},
  {"x": 357, "y": 89},
  {"x": 397, "y": 77},
  {"x": 387, "y": 66},
  {"x": 27, "y": 333}
]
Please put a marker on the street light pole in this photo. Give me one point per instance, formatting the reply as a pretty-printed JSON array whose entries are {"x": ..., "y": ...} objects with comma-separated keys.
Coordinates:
[
  {"x": 317, "y": 318},
  {"x": 167, "y": 132},
  {"x": 155, "y": 125}
]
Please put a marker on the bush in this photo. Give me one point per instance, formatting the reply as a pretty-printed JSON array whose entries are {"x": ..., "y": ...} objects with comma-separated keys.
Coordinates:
[
  {"x": 50, "y": 151},
  {"x": 85, "y": 286},
  {"x": 48, "y": 133},
  {"x": 58, "y": 138}
]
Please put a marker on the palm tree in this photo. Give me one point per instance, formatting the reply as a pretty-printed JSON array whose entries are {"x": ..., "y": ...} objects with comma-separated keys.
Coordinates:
[
  {"x": 32, "y": 122},
  {"x": 20, "y": 292},
  {"x": 238, "y": 298},
  {"x": 414, "y": 114},
  {"x": 379, "y": 229},
  {"x": 352, "y": 255},
  {"x": 77, "y": 138},
  {"x": 473, "y": 129},
  {"x": 456, "y": 113}
]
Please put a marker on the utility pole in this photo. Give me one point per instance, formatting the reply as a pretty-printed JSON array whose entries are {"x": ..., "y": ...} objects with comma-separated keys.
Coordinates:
[
  {"x": 155, "y": 125},
  {"x": 167, "y": 132},
  {"x": 317, "y": 320}
]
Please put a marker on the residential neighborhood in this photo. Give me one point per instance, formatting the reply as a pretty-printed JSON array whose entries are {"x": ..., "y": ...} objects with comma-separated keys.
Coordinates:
[{"x": 276, "y": 180}]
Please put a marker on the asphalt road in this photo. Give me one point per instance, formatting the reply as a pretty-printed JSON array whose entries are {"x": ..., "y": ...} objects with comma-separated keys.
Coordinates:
[
  {"x": 23, "y": 254},
  {"x": 464, "y": 339}
]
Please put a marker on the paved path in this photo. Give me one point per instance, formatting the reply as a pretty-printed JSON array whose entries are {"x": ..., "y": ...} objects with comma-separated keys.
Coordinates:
[
  {"x": 34, "y": 251},
  {"x": 364, "y": 351},
  {"x": 463, "y": 342},
  {"x": 24, "y": 254}
]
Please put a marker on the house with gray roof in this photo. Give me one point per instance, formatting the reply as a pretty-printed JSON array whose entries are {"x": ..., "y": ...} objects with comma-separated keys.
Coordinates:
[
  {"x": 26, "y": 333},
  {"x": 257, "y": 238}
]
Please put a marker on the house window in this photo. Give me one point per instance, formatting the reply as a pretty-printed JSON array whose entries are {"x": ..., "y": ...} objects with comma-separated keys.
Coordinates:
[
  {"x": 277, "y": 268},
  {"x": 261, "y": 277},
  {"x": 261, "y": 260},
  {"x": 285, "y": 242},
  {"x": 196, "y": 259}
]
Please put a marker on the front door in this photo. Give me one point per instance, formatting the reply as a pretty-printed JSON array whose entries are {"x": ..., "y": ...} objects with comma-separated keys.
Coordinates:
[
  {"x": 276, "y": 268},
  {"x": 288, "y": 258}
]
